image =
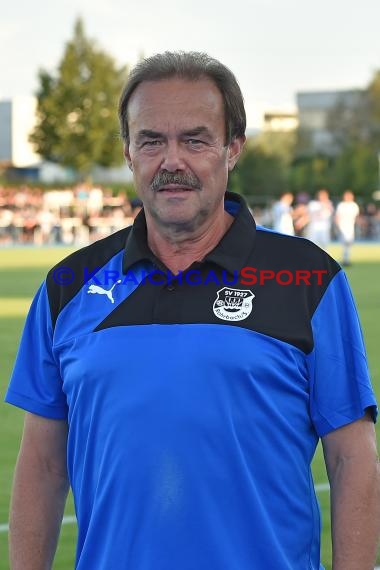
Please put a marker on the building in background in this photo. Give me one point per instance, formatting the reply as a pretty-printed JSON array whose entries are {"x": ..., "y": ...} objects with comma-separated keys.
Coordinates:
[
  {"x": 314, "y": 110},
  {"x": 17, "y": 120},
  {"x": 17, "y": 157},
  {"x": 280, "y": 121}
]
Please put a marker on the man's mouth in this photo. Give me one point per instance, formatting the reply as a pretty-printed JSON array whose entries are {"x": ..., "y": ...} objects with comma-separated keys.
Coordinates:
[
  {"x": 174, "y": 188},
  {"x": 173, "y": 182}
]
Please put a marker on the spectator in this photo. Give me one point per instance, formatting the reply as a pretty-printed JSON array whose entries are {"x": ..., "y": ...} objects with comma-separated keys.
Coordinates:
[
  {"x": 283, "y": 214},
  {"x": 320, "y": 214},
  {"x": 346, "y": 214}
]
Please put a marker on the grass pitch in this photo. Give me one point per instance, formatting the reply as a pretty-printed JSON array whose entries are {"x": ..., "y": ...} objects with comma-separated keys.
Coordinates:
[{"x": 21, "y": 272}]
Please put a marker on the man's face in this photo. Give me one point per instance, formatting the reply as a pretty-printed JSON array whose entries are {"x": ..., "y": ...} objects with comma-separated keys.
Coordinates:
[{"x": 177, "y": 151}]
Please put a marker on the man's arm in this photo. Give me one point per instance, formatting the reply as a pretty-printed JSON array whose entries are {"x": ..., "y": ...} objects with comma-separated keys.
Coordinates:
[
  {"x": 40, "y": 489},
  {"x": 354, "y": 475}
]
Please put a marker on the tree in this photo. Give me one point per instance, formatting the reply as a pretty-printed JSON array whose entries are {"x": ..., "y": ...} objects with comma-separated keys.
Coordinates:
[
  {"x": 258, "y": 174},
  {"x": 77, "y": 122},
  {"x": 357, "y": 168},
  {"x": 356, "y": 132},
  {"x": 280, "y": 144},
  {"x": 310, "y": 173}
]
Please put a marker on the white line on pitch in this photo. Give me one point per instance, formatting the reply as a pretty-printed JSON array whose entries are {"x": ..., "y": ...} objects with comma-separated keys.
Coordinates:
[
  {"x": 70, "y": 519},
  {"x": 322, "y": 487}
]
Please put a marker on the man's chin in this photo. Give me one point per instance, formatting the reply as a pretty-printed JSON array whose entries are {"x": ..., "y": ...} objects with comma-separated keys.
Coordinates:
[{"x": 179, "y": 222}]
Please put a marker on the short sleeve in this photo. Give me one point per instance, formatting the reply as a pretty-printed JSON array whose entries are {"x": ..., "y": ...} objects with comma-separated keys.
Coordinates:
[
  {"x": 340, "y": 387},
  {"x": 35, "y": 384}
]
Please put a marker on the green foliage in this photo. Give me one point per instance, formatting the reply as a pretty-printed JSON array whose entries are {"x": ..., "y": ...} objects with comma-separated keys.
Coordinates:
[
  {"x": 354, "y": 168},
  {"x": 357, "y": 168},
  {"x": 373, "y": 112},
  {"x": 356, "y": 133},
  {"x": 258, "y": 173},
  {"x": 350, "y": 124},
  {"x": 303, "y": 143},
  {"x": 310, "y": 173},
  {"x": 77, "y": 107},
  {"x": 280, "y": 144}
]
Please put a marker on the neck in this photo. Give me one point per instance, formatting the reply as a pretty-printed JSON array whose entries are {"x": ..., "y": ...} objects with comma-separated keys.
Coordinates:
[{"x": 178, "y": 250}]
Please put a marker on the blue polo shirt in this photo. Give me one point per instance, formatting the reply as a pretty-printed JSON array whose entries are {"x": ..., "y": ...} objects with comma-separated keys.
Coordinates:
[{"x": 195, "y": 402}]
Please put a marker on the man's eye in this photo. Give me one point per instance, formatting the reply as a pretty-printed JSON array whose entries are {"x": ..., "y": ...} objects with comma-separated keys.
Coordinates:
[
  {"x": 194, "y": 142},
  {"x": 151, "y": 143}
]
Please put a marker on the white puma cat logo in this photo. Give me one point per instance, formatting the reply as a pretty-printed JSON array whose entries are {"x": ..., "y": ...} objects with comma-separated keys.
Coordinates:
[{"x": 100, "y": 291}]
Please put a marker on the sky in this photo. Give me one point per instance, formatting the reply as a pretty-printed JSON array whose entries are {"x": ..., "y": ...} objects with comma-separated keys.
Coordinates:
[{"x": 276, "y": 48}]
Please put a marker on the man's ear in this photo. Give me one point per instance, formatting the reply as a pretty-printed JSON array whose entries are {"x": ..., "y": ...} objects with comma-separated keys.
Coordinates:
[
  {"x": 234, "y": 151},
  {"x": 127, "y": 155}
]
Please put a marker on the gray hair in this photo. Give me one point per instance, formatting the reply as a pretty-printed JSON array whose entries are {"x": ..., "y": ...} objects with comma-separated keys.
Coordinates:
[{"x": 191, "y": 66}]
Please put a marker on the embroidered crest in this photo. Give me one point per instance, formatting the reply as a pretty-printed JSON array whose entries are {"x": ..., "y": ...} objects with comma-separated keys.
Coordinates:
[{"x": 233, "y": 304}]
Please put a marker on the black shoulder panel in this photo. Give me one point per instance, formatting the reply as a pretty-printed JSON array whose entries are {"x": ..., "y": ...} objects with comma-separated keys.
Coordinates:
[
  {"x": 286, "y": 311},
  {"x": 286, "y": 277},
  {"x": 66, "y": 278},
  {"x": 280, "y": 252}
]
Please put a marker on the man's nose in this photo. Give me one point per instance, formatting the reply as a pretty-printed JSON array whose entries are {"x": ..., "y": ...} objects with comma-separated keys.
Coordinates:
[{"x": 173, "y": 157}]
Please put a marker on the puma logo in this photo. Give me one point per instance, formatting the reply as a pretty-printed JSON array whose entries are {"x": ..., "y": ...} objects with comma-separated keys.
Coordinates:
[{"x": 100, "y": 291}]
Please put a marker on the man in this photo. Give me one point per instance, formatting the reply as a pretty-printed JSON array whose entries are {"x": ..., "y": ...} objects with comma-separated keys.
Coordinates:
[
  {"x": 345, "y": 217},
  {"x": 320, "y": 215},
  {"x": 283, "y": 214},
  {"x": 197, "y": 455}
]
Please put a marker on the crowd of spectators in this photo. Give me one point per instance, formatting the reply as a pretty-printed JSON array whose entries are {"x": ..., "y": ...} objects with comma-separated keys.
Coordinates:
[
  {"x": 70, "y": 216},
  {"x": 367, "y": 224},
  {"x": 84, "y": 213}
]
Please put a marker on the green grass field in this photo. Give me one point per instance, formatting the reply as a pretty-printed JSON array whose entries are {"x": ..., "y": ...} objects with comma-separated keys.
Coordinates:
[{"x": 22, "y": 270}]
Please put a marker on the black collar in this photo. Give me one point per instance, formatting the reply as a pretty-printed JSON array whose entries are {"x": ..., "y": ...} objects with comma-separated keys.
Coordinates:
[{"x": 231, "y": 253}]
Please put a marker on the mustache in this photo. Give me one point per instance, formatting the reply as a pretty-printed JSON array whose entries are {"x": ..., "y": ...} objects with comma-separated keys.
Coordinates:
[{"x": 182, "y": 179}]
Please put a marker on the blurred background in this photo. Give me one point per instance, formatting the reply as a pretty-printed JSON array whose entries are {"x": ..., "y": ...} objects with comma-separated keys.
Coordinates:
[{"x": 310, "y": 75}]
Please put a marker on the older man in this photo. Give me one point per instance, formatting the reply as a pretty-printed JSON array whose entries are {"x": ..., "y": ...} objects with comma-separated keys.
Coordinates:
[{"x": 194, "y": 455}]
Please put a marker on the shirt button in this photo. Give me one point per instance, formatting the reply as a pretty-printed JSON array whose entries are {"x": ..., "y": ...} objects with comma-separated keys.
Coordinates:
[{"x": 170, "y": 287}]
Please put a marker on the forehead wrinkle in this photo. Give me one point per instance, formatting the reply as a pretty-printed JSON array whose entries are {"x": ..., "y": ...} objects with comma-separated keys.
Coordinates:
[
  {"x": 149, "y": 133},
  {"x": 187, "y": 132},
  {"x": 155, "y": 105},
  {"x": 196, "y": 131}
]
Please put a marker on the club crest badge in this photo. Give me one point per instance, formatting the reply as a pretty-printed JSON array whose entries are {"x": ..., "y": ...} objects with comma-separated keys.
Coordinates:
[{"x": 233, "y": 304}]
